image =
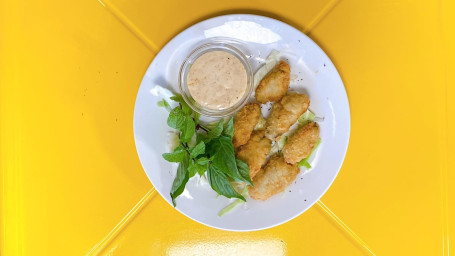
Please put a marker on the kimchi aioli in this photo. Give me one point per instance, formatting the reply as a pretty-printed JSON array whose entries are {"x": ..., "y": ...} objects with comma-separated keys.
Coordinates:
[{"x": 217, "y": 80}]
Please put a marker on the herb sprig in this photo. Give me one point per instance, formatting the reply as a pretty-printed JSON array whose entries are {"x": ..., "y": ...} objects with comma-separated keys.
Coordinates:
[{"x": 213, "y": 153}]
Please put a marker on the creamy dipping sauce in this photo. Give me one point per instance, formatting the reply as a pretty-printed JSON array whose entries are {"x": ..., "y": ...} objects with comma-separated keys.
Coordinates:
[{"x": 217, "y": 80}]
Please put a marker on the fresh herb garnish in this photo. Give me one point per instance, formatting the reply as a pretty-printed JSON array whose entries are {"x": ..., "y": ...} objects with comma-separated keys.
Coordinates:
[{"x": 213, "y": 153}]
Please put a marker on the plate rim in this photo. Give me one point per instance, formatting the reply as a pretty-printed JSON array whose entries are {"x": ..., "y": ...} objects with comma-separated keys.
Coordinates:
[{"x": 348, "y": 122}]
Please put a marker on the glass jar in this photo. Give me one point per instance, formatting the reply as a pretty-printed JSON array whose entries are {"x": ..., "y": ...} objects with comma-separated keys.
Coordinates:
[{"x": 217, "y": 44}]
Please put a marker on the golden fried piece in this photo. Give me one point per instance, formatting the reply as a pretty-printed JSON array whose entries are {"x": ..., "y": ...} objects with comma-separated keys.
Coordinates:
[
  {"x": 285, "y": 113},
  {"x": 273, "y": 178},
  {"x": 255, "y": 151},
  {"x": 301, "y": 143},
  {"x": 275, "y": 84},
  {"x": 244, "y": 123}
]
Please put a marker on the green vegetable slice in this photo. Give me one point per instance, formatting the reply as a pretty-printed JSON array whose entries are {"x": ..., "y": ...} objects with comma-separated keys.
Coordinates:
[
  {"x": 270, "y": 62},
  {"x": 279, "y": 145},
  {"x": 306, "y": 118},
  {"x": 304, "y": 162},
  {"x": 230, "y": 207},
  {"x": 234, "y": 204},
  {"x": 261, "y": 124},
  {"x": 282, "y": 142}
]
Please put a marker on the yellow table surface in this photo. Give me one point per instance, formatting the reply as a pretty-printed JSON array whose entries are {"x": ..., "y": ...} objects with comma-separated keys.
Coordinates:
[{"x": 72, "y": 183}]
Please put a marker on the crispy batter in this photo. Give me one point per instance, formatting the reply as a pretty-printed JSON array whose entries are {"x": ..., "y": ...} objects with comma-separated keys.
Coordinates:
[
  {"x": 255, "y": 151},
  {"x": 301, "y": 143},
  {"x": 273, "y": 178},
  {"x": 244, "y": 123},
  {"x": 275, "y": 84},
  {"x": 285, "y": 113}
]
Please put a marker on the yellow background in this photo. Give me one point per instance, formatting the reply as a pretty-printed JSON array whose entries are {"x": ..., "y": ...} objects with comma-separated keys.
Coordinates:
[{"x": 71, "y": 180}]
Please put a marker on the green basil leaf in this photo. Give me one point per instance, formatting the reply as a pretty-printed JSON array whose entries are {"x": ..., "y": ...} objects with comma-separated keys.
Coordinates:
[
  {"x": 215, "y": 132},
  {"x": 222, "y": 152},
  {"x": 192, "y": 168},
  {"x": 180, "y": 180},
  {"x": 202, "y": 164},
  {"x": 188, "y": 130},
  {"x": 177, "y": 156},
  {"x": 244, "y": 170},
  {"x": 199, "y": 149},
  {"x": 185, "y": 108},
  {"x": 200, "y": 137},
  {"x": 201, "y": 168},
  {"x": 196, "y": 117},
  {"x": 176, "y": 118},
  {"x": 229, "y": 130},
  {"x": 163, "y": 103},
  {"x": 220, "y": 183},
  {"x": 203, "y": 160}
]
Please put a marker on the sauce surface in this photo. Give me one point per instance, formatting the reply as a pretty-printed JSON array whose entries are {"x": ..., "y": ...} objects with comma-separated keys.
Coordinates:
[{"x": 217, "y": 80}]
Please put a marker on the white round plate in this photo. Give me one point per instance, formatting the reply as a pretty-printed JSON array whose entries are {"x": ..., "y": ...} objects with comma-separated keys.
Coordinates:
[{"x": 312, "y": 72}]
